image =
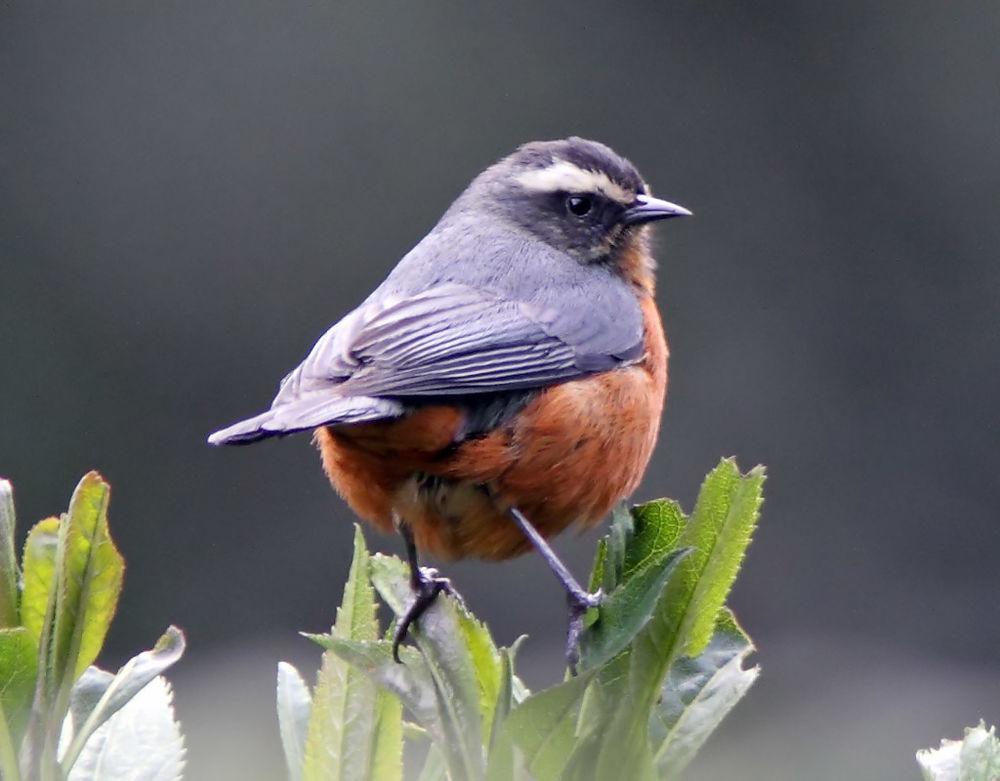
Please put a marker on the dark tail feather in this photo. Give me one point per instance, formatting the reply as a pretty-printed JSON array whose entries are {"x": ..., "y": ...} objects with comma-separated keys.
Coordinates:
[
  {"x": 246, "y": 431},
  {"x": 305, "y": 415}
]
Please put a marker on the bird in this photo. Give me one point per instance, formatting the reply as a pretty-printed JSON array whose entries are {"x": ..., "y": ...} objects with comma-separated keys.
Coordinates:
[{"x": 505, "y": 381}]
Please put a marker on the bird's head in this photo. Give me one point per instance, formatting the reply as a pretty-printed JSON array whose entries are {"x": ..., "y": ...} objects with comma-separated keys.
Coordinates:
[{"x": 578, "y": 196}]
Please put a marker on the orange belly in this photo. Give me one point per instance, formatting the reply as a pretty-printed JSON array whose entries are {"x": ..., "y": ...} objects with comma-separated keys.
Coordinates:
[{"x": 568, "y": 457}]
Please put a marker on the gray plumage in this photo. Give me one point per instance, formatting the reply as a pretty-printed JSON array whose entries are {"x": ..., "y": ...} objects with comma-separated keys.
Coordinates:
[{"x": 491, "y": 300}]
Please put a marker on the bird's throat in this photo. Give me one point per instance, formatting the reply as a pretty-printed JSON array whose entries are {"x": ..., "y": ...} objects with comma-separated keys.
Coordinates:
[{"x": 636, "y": 263}]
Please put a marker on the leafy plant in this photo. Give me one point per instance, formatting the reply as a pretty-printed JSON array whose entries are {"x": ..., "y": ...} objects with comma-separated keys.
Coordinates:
[
  {"x": 661, "y": 663},
  {"x": 60, "y": 716},
  {"x": 974, "y": 758}
]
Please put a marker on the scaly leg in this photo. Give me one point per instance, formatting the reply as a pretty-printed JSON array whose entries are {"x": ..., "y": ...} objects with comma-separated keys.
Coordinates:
[
  {"x": 579, "y": 600},
  {"x": 425, "y": 584}
]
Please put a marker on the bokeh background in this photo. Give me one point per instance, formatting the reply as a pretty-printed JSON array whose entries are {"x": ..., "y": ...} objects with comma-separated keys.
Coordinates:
[{"x": 191, "y": 192}]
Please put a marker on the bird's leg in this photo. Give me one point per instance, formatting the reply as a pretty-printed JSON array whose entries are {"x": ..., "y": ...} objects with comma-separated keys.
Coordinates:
[
  {"x": 579, "y": 600},
  {"x": 426, "y": 586}
]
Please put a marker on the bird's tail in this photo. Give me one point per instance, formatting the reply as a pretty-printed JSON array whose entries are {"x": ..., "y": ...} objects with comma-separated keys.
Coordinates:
[{"x": 305, "y": 414}]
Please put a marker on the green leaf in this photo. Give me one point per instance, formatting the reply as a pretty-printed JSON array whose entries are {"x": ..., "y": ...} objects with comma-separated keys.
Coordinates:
[
  {"x": 620, "y": 532},
  {"x": 39, "y": 560},
  {"x": 600, "y": 561},
  {"x": 87, "y": 578},
  {"x": 697, "y": 695},
  {"x": 342, "y": 724},
  {"x": 387, "y": 751},
  {"x": 980, "y": 755},
  {"x": 487, "y": 667},
  {"x": 658, "y": 527},
  {"x": 294, "y": 706},
  {"x": 441, "y": 637},
  {"x": 719, "y": 530},
  {"x": 356, "y": 616},
  {"x": 435, "y": 768},
  {"x": 18, "y": 667},
  {"x": 9, "y": 574},
  {"x": 543, "y": 727},
  {"x": 70, "y": 585},
  {"x": 595, "y": 758},
  {"x": 511, "y": 691},
  {"x": 974, "y": 758},
  {"x": 410, "y": 681},
  {"x": 503, "y": 762},
  {"x": 9, "y": 767},
  {"x": 126, "y": 684},
  {"x": 142, "y": 740},
  {"x": 89, "y": 572},
  {"x": 637, "y": 537},
  {"x": 59, "y": 576},
  {"x": 38, "y": 608},
  {"x": 627, "y": 609},
  {"x": 613, "y": 741}
]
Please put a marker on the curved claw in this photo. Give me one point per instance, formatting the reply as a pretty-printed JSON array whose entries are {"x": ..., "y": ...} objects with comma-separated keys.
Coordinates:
[{"x": 426, "y": 585}]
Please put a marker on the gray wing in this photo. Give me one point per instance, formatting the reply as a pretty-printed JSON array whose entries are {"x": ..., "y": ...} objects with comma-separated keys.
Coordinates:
[{"x": 448, "y": 340}]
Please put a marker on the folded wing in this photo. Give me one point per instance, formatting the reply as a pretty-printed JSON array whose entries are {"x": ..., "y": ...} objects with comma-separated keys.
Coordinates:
[{"x": 449, "y": 340}]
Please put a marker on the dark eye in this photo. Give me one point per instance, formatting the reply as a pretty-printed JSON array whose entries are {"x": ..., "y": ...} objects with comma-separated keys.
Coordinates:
[{"x": 578, "y": 204}]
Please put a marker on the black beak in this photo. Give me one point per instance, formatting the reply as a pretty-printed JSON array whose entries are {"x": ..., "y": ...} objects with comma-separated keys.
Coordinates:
[{"x": 649, "y": 209}]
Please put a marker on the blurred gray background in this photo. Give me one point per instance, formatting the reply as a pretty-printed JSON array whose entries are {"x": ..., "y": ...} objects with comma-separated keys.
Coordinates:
[{"x": 191, "y": 192}]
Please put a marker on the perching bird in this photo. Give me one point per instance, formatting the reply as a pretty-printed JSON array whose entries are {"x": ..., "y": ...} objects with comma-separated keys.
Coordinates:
[{"x": 506, "y": 380}]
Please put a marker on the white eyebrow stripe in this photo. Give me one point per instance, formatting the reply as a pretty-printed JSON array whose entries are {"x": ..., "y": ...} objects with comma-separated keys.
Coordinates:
[{"x": 563, "y": 175}]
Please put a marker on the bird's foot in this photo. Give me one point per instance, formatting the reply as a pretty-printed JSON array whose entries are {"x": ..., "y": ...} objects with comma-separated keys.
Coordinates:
[
  {"x": 579, "y": 602},
  {"x": 426, "y": 585}
]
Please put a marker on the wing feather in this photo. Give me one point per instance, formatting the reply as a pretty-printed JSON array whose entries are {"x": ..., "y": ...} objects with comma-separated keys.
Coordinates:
[{"x": 447, "y": 340}]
